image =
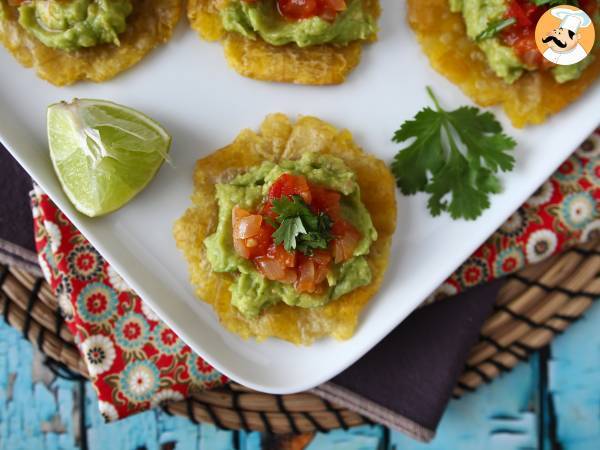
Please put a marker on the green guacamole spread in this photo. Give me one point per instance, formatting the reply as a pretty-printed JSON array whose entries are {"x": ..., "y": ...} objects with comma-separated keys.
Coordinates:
[
  {"x": 262, "y": 19},
  {"x": 75, "y": 24},
  {"x": 502, "y": 59},
  {"x": 251, "y": 292}
]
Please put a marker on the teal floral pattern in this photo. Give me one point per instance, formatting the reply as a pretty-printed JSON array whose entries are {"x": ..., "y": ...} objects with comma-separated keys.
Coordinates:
[
  {"x": 507, "y": 261},
  {"x": 140, "y": 381},
  {"x": 166, "y": 340},
  {"x": 131, "y": 331},
  {"x": 569, "y": 171},
  {"x": 578, "y": 210},
  {"x": 84, "y": 262},
  {"x": 201, "y": 372},
  {"x": 97, "y": 303},
  {"x": 561, "y": 213}
]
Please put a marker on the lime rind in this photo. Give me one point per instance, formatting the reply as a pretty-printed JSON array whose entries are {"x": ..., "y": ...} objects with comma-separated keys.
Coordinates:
[{"x": 104, "y": 153}]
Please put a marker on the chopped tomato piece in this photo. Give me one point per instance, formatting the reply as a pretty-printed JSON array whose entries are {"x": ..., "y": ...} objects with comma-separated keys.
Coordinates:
[
  {"x": 237, "y": 213},
  {"x": 326, "y": 200},
  {"x": 290, "y": 276},
  {"x": 288, "y": 185},
  {"x": 321, "y": 257},
  {"x": 331, "y": 8},
  {"x": 525, "y": 13},
  {"x": 270, "y": 268},
  {"x": 346, "y": 240},
  {"x": 278, "y": 252},
  {"x": 306, "y": 277},
  {"x": 298, "y": 9},
  {"x": 256, "y": 245},
  {"x": 274, "y": 270},
  {"x": 589, "y": 6},
  {"x": 521, "y": 35},
  {"x": 240, "y": 248},
  {"x": 305, "y": 9},
  {"x": 259, "y": 244},
  {"x": 247, "y": 227}
]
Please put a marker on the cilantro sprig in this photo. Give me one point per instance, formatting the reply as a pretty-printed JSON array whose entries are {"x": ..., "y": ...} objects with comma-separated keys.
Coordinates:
[
  {"x": 298, "y": 227},
  {"x": 454, "y": 156},
  {"x": 497, "y": 26},
  {"x": 555, "y": 2},
  {"x": 494, "y": 28}
]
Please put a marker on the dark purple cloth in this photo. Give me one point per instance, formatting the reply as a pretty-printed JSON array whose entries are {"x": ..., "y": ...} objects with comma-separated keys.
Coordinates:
[
  {"x": 16, "y": 227},
  {"x": 409, "y": 375},
  {"x": 413, "y": 371}
]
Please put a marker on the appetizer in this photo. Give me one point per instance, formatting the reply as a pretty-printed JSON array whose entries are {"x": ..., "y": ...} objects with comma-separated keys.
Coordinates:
[
  {"x": 305, "y": 42},
  {"x": 70, "y": 40},
  {"x": 489, "y": 50},
  {"x": 287, "y": 236}
]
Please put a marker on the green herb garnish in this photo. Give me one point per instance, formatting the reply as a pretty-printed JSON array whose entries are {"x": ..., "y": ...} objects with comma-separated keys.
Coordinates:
[
  {"x": 555, "y": 2},
  {"x": 494, "y": 28},
  {"x": 454, "y": 154},
  {"x": 298, "y": 227}
]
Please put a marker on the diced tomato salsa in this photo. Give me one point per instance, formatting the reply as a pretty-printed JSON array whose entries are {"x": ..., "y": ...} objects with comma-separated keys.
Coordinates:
[
  {"x": 252, "y": 236},
  {"x": 305, "y": 9},
  {"x": 521, "y": 35}
]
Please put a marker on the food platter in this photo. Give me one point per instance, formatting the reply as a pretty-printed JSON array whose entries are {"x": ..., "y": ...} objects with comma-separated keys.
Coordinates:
[{"x": 187, "y": 86}]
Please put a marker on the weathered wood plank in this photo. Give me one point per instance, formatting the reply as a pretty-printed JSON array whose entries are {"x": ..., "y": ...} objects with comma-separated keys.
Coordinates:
[
  {"x": 574, "y": 384},
  {"x": 32, "y": 412},
  {"x": 497, "y": 416},
  {"x": 38, "y": 411}
]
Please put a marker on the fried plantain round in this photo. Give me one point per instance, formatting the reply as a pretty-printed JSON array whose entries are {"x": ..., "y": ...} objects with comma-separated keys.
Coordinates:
[
  {"x": 280, "y": 139},
  {"x": 529, "y": 100},
  {"x": 316, "y": 65},
  {"x": 150, "y": 24}
]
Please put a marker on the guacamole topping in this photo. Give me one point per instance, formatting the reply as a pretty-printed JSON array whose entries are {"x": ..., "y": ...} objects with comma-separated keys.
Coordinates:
[
  {"x": 263, "y": 19},
  {"x": 326, "y": 186},
  {"x": 75, "y": 24},
  {"x": 512, "y": 52}
]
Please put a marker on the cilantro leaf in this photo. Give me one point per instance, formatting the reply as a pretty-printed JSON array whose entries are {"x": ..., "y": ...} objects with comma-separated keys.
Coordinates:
[
  {"x": 287, "y": 232},
  {"x": 454, "y": 156},
  {"x": 494, "y": 28},
  {"x": 299, "y": 227},
  {"x": 555, "y": 2},
  {"x": 482, "y": 135},
  {"x": 285, "y": 207},
  {"x": 423, "y": 155}
]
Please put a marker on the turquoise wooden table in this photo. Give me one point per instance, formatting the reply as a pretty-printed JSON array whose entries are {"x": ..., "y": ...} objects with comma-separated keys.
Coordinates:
[{"x": 551, "y": 402}]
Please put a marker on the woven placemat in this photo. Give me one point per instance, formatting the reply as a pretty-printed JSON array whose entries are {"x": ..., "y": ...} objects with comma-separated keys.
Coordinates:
[{"x": 532, "y": 307}]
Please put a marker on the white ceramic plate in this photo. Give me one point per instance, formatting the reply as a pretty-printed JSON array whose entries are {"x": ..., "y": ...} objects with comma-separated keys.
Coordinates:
[{"x": 187, "y": 86}]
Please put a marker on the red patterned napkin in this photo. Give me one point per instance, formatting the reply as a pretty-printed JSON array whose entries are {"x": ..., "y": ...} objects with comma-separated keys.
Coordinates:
[
  {"x": 137, "y": 362},
  {"x": 564, "y": 211}
]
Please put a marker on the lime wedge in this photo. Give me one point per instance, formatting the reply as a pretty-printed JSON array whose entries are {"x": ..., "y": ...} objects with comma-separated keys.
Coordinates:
[{"x": 103, "y": 153}]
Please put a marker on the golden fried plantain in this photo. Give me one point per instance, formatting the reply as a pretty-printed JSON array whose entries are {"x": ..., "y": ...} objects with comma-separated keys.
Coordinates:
[
  {"x": 319, "y": 64},
  {"x": 279, "y": 139},
  {"x": 151, "y": 23},
  {"x": 529, "y": 100}
]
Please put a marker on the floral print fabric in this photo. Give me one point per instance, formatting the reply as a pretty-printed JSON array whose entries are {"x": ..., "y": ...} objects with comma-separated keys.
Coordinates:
[
  {"x": 563, "y": 212},
  {"x": 136, "y": 361}
]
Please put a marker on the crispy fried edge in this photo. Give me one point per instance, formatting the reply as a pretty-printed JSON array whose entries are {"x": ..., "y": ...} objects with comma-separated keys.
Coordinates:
[
  {"x": 530, "y": 100},
  {"x": 151, "y": 23},
  {"x": 280, "y": 139},
  {"x": 316, "y": 65}
]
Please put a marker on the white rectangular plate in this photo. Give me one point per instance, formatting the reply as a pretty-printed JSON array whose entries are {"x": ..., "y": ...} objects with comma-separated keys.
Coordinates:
[{"x": 187, "y": 86}]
